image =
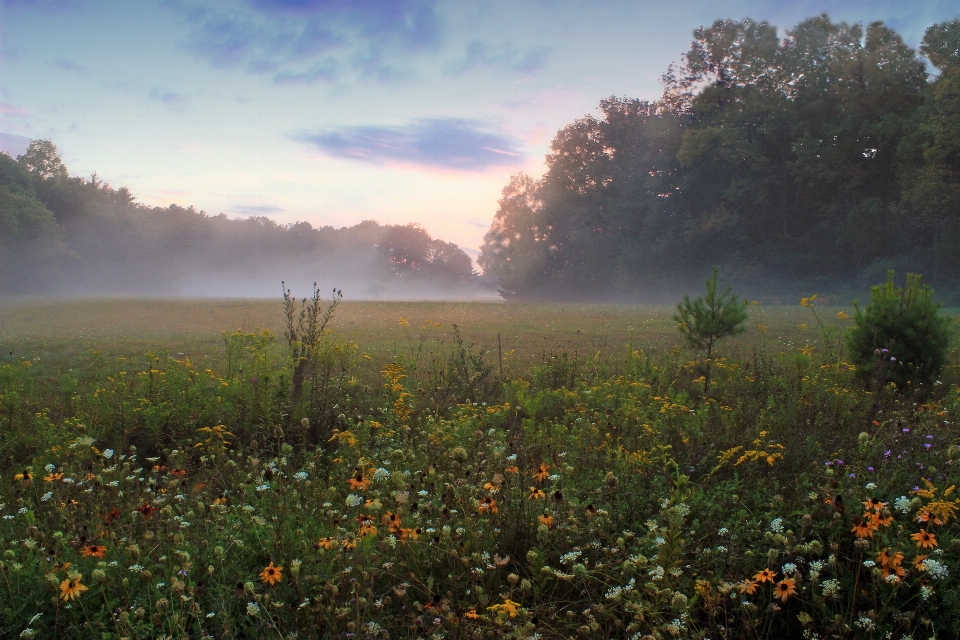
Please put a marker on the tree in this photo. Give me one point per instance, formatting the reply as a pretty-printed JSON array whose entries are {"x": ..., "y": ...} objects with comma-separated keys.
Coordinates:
[
  {"x": 43, "y": 160},
  {"x": 706, "y": 320}
]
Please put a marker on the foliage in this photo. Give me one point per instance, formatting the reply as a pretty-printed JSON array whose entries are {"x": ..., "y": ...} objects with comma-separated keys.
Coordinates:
[
  {"x": 707, "y": 319},
  {"x": 900, "y": 337},
  {"x": 71, "y": 235},
  {"x": 769, "y": 154}
]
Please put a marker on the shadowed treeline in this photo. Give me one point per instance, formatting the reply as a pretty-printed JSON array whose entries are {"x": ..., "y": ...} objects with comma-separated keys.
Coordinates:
[
  {"x": 71, "y": 236},
  {"x": 811, "y": 160}
]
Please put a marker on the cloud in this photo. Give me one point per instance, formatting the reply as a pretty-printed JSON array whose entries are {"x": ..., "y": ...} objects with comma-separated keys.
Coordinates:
[
  {"x": 13, "y": 144},
  {"x": 8, "y": 109},
  {"x": 255, "y": 209},
  {"x": 69, "y": 65},
  {"x": 448, "y": 143},
  {"x": 314, "y": 40},
  {"x": 170, "y": 99},
  {"x": 483, "y": 55}
]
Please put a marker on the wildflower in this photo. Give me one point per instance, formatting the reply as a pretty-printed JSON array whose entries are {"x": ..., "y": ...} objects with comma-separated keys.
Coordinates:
[
  {"x": 535, "y": 494},
  {"x": 358, "y": 482},
  {"x": 71, "y": 587},
  {"x": 327, "y": 543},
  {"x": 272, "y": 574},
  {"x": 842, "y": 316},
  {"x": 253, "y": 608},
  {"x": 472, "y": 614},
  {"x": 354, "y": 500},
  {"x": 512, "y": 469},
  {"x": 53, "y": 477},
  {"x": 749, "y": 587},
  {"x": 547, "y": 521},
  {"x": 146, "y": 510},
  {"x": 924, "y": 539},
  {"x": 776, "y": 525},
  {"x": 875, "y": 504},
  {"x": 889, "y": 560},
  {"x": 765, "y": 576},
  {"x": 785, "y": 589},
  {"x": 487, "y": 504},
  {"x": 94, "y": 551},
  {"x": 902, "y": 504},
  {"x": 542, "y": 473},
  {"x": 864, "y": 528},
  {"x": 108, "y": 453},
  {"x": 25, "y": 477},
  {"x": 46, "y": 496}
]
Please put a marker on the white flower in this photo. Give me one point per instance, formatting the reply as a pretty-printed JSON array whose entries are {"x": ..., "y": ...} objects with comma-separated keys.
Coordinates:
[
  {"x": 776, "y": 525},
  {"x": 512, "y": 458},
  {"x": 659, "y": 541},
  {"x": 871, "y": 486},
  {"x": 902, "y": 504},
  {"x": 263, "y": 487},
  {"x": 354, "y": 500},
  {"x": 865, "y": 623},
  {"x": 47, "y": 496},
  {"x": 380, "y": 474},
  {"x": 722, "y": 531},
  {"x": 22, "y": 510},
  {"x": 926, "y": 591},
  {"x": 934, "y": 568},
  {"x": 570, "y": 557},
  {"x": 656, "y": 573},
  {"x": 553, "y": 477},
  {"x": 831, "y": 587},
  {"x": 253, "y": 608},
  {"x": 301, "y": 475},
  {"x": 721, "y": 549},
  {"x": 211, "y": 614},
  {"x": 869, "y": 564},
  {"x": 789, "y": 568},
  {"x": 50, "y": 467},
  {"x": 108, "y": 453}
]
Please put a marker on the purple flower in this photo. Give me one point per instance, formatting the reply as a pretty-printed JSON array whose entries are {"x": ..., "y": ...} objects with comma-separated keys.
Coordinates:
[
  {"x": 829, "y": 464},
  {"x": 892, "y": 359},
  {"x": 906, "y": 429},
  {"x": 884, "y": 350},
  {"x": 255, "y": 380},
  {"x": 929, "y": 437},
  {"x": 870, "y": 469},
  {"x": 839, "y": 463},
  {"x": 887, "y": 454},
  {"x": 853, "y": 475},
  {"x": 927, "y": 445}
]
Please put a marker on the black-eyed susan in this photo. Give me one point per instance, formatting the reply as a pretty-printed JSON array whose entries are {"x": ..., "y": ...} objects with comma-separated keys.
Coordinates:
[
  {"x": 784, "y": 589},
  {"x": 272, "y": 574},
  {"x": 358, "y": 482},
  {"x": 874, "y": 504},
  {"x": 327, "y": 543},
  {"x": 864, "y": 528},
  {"x": 94, "y": 551},
  {"x": 766, "y": 575},
  {"x": 546, "y": 520},
  {"x": 924, "y": 539},
  {"x": 71, "y": 587},
  {"x": 487, "y": 504},
  {"x": 542, "y": 473},
  {"x": 53, "y": 477},
  {"x": 24, "y": 477},
  {"x": 512, "y": 469},
  {"x": 748, "y": 587},
  {"x": 536, "y": 494}
]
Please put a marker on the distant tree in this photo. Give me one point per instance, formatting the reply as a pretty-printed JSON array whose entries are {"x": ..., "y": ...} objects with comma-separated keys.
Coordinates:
[{"x": 43, "y": 159}]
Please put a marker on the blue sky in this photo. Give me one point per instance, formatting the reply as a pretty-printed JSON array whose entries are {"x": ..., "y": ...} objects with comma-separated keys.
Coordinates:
[{"x": 336, "y": 111}]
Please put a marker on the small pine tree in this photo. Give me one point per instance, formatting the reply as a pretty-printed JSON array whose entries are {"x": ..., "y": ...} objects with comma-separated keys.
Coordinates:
[
  {"x": 708, "y": 319},
  {"x": 900, "y": 337}
]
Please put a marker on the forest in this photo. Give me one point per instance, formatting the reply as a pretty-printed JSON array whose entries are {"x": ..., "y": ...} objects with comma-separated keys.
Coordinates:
[
  {"x": 72, "y": 236},
  {"x": 811, "y": 160}
]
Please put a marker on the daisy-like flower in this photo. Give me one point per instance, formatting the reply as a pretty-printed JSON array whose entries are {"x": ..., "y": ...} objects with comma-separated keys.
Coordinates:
[
  {"x": 542, "y": 473},
  {"x": 53, "y": 477},
  {"x": 546, "y": 520},
  {"x": 864, "y": 528},
  {"x": 512, "y": 469},
  {"x": 94, "y": 551},
  {"x": 748, "y": 587},
  {"x": 71, "y": 587},
  {"x": 327, "y": 543},
  {"x": 925, "y": 539},
  {"x": 875, "y": 504},
  {"x": 785, "y": 589},
  {"x": 889, "y": 560},
  {"x": 358, "y": 482},
  {"x": 487, "y": 504},
  {"x": 25, "y": 477},
  {"x": 272, "y": 574},
  {"x": 765, "y": 576},
  {"x": 536, "y": 494}
]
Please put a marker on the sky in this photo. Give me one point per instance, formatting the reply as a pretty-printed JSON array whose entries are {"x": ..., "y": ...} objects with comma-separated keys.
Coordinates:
[{"x": 338, "y": 111}]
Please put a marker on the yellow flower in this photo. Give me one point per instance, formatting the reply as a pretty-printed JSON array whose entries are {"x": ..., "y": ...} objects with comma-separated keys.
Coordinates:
[
  {"x": 272, "y": 574},
  {"x": 784, "y": 589},
  {"x": 842, "y": 316},
  {"x": 765, "y": 576},
  {"x": 924, "y": 539},
  {"x": 403, "y": 322},
  {"x": 807, "y": 302},
  {"x": 71, "y": 587}
]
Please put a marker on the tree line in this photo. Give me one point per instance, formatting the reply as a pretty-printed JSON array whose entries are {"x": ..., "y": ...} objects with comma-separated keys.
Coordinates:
[
  {"x": 813, "y": 160},
  {"x": 70, "y": 235}
]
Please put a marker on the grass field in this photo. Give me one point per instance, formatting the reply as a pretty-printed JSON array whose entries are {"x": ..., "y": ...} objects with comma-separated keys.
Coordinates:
[{"x": 170, "y": 470}]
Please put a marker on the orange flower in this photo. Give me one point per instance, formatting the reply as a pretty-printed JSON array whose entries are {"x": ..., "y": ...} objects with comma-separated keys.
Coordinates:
[
  {"x": 358, "y": 482},
  {"x": 864, "y": 528},
  {"x": 53, "y": 476},
  {"x": 536, "y": 494},
  {"x": 93, "y": 551},
  {"x": 348, "y": 544},
  {"x": 918, "y": 562},
  {"x": 409, "y": 534},
  {"x": 896, "y": 571},
  {"x": 749, "y": 587},
  {"x": 487, "y": 504},
  {"x": 590, "y": 510},
  {"x": 178, "y": 472},
  {"x": 26, "y": 477},
  {"x": 547, "y": 520},
  {"x": 327, "y": 543},
  {"x": 272, "y": 574},
  {"x": 146, "y": 510},
  {"x": 784, "y": 589},
  {"x": 512, "y": 470},
  {"x": 887, "y": 560},
  {"x": 492, "y": 488},
  {"x": 875, "y": 504},
  {"x": 472, "y": 614},
  {"x": 765, "y": 576},
  {"x": 924, "y": 539},
  {"x": 71, "y": 587},
  {"x": 542, "y": 473},
  {"x": 926, "y": 515}
]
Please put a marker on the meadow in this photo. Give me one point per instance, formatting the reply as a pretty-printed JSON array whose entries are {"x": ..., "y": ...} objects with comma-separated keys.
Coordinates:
[{"x": 182, "y": 468}]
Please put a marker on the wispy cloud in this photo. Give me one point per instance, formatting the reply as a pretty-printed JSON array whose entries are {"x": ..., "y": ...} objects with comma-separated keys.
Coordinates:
[
  {"x": 255, "y": 209},
  {"x": 315, "y": 40},
  {"x": 448, "y": 143},
  {"x": 482, "y": 55},
  {"x": 8, "y": 109},
  {"x": 68, "y": 65},
  {"x": 13, "y": 144},
  {"x": 170, "y": 99}
]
